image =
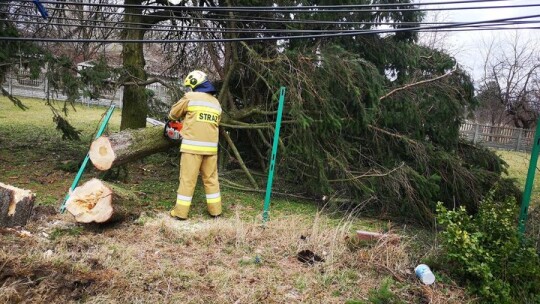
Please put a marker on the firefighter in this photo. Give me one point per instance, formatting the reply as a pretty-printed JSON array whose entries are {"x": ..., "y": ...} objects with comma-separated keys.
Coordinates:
[{"x": 200, "y": 112}]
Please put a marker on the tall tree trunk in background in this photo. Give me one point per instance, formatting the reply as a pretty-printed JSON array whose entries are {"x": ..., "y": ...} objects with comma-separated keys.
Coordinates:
[{"x": 134, "y": 101}]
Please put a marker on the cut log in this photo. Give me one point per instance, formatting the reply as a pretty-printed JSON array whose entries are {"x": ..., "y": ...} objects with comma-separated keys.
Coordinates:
[
  {"x": 127, "y": 145},
  {"x": 99, "y": 202},
  {"x": 15, "y": 205}
]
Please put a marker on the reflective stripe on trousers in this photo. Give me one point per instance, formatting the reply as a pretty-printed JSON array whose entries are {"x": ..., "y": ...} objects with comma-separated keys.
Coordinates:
[
  {"x": 213, "y": 198},
  {"x": 183, "y": 200},
  {"x": 196, "y": 145}
]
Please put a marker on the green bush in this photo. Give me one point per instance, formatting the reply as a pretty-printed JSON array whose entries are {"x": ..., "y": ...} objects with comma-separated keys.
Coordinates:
[
  {"x": 485, "y": 252},
  {"x": 533, "y": 226}
]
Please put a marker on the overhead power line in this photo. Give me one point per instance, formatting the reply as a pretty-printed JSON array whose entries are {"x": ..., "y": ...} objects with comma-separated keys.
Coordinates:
[
  {"x": 166, "y": 27},
  {"x": 226, "y": 19},
  {"x": 191, "y": 28},
  {"x": 179, "y": 9},
  {"x": 262, "y": 8},
  {"x": 459, "y": 25}
]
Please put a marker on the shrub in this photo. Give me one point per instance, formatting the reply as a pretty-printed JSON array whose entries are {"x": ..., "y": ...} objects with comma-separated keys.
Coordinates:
[
  {"x": 486, "y": 254},
  {"x": 533, "y": 227}
]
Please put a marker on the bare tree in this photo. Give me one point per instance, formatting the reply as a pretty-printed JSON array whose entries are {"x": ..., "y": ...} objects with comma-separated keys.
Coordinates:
[
  {"x": 511, "y": 82},
  {"x": 69, "y": 20},
  {"x": 490, "y": 108},
  {"x": 436, "y": 39}
]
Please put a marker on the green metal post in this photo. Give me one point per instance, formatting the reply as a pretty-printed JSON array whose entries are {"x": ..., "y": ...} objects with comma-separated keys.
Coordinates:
[
  {"x": 530, "y": 179},
  {"x": 273, "y": 158},
  {"x": 85, "y": 161}
]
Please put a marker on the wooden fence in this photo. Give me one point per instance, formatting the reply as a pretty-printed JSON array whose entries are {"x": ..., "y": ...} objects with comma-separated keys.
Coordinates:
[{"x": 498, "y": 137}]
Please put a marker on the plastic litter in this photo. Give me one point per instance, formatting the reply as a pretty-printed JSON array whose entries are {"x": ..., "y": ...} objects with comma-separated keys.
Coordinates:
[{"x": 425, "y": 275}]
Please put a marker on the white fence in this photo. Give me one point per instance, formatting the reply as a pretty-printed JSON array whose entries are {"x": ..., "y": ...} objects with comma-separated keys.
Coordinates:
[{"x": 505, "y": 138}]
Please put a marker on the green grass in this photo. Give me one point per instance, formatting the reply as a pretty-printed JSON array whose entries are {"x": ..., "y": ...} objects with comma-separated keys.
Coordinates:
[
  {"x": 36, "y": 158},
  {"x": 59, "y": 232},
  {"x": 518, "y": 167},
  {"x": 39, "y": 118},
  {"x": 33, "y": 152}
]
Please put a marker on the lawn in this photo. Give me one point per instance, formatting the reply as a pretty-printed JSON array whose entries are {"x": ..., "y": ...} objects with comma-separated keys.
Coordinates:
[
  {"x": 152, "y": 258},
  {"x": 518, "y": 167}
]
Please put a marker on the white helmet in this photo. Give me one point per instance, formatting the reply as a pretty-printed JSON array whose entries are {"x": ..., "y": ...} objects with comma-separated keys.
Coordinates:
[{"x": 194, "y": 79}]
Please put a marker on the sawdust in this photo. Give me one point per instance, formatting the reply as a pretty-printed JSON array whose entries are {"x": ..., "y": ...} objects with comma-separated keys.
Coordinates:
[{"x": 165, "y": 220}]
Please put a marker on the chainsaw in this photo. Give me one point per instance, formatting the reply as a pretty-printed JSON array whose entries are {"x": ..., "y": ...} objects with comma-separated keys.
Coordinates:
[{"x": 171, "y": 128}]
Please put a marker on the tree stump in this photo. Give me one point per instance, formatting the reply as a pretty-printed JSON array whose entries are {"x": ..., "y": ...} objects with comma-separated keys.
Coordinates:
[
  {"x": 99, "y": 202},
  {"x": 126, "y": 146},
  {"x": 15, "y": 205}
]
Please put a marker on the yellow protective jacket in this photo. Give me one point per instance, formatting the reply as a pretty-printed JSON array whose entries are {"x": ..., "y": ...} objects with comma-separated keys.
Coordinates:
[{"x": 201, "y": 113}]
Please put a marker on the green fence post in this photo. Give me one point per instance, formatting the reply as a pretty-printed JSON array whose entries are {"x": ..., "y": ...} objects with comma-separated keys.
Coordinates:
[
  {"x": 85, "y": 161},
  {"x": 530, "y": 180},
  {"x": 273, "y": 158}
]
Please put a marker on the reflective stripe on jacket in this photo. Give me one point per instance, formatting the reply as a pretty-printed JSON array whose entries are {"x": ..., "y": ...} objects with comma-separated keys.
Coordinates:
[{"x": 201, "y": 114}]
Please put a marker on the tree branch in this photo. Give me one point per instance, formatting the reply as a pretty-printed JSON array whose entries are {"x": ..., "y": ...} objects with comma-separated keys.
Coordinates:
[
  {"x": 367, "y": 175},
  {"x": 416, "y": 84},
  {"x": 233, "y": 185},
  {"x": 159, "y": 16},
  {"x": 239, "y": 158},
  {"x": 16, "y": 101},
  {"x": 257, "y": 151},
  {"x": 244, "y": 125},
  {"x": 251, "y": 111},
  {"x": 402, "y": 137},
  {"x": 144, "y": 83},
  {"x": 263, "y": 138},
  {"x": 226, "y": 125}
]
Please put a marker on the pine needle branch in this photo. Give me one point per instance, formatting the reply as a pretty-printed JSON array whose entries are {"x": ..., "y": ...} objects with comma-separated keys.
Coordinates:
[{"x": 415, "y": 84}]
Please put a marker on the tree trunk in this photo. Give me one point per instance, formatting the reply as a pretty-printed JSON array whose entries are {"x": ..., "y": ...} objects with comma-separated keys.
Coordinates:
[
  {"x": 99, "y": 202},
  {"x": 134, "y": 100},
  {"x": 15, "y": 205},
  {"x": 128, "y": 145}
]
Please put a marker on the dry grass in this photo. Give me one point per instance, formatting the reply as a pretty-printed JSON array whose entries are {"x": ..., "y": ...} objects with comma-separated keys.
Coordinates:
[{"x": 156, "y": 259}]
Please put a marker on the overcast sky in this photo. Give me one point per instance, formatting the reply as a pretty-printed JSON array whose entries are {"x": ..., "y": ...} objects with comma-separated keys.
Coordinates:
[{"x": 470, "y": 47}]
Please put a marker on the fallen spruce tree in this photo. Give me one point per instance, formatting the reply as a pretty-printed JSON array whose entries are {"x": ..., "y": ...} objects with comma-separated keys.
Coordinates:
[
  {"x": 370, "y": 123},
  {"x": 363, "y": 139},
  {"x": 129, "y": 145},
  {"x": 348, "y": 135}
]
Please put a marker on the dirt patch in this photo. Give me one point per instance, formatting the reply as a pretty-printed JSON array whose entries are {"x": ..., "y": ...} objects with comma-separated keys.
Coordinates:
[
  {"x": 43, "y": 212},
  {"x": 47, "y": 283}
]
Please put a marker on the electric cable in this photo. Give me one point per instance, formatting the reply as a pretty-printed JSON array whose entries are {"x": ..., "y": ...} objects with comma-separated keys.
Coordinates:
[
  {"x": 346, "y": 7},
  {"x": 252, "y": 30},
  {"x": 374, "y": 8},
  {"x": 311, "y": 36},
  {"x": 279, "y": 21},
  {"x": 218, "y": 19},
  {"x": 246, "y": 30},
  {"x": 228, "y": 19}
]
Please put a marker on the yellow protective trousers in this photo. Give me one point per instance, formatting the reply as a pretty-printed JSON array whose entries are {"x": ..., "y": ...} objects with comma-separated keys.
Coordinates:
[{"x": 190, "y": 166}]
